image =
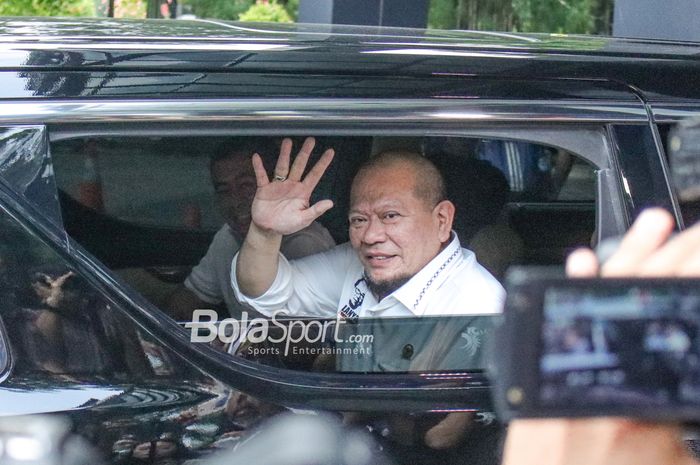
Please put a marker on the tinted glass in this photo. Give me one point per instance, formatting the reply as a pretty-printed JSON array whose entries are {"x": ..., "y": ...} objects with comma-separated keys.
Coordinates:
[
  {"x": 537, "y": 173},
  {"x": 25, "y": 165},
  {"x": 58, "y": 324},
  {"x": 640, "y": 167},
  {"x": 690, "y": 208},
  {"x": 366, "y": 345},
  {"x": 154, "y": 210}
]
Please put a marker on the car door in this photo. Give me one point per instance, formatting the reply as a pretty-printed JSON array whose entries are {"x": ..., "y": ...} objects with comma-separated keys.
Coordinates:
[{"x": 131, "y": 377}]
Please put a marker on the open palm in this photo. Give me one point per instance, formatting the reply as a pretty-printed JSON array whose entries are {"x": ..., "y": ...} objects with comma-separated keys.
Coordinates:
[{"x": 282, "y": 205}]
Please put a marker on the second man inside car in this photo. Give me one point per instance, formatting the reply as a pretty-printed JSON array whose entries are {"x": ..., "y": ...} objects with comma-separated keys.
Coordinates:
[{"x": 209, "y": 283}]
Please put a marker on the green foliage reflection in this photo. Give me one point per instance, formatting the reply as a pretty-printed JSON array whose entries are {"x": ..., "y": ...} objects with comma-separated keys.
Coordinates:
[
  {"x": 47, "y": 8},
  {"x": 554, "y": 16},
  {"x": 245, "y": 10}
]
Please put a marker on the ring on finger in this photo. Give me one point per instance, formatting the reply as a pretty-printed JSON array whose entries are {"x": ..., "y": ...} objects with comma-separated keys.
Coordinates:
[{"x": 280, "y": 178}]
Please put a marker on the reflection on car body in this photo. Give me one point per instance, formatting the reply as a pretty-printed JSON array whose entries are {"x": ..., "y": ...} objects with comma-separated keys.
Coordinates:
[{"x": 563, "y": 149}]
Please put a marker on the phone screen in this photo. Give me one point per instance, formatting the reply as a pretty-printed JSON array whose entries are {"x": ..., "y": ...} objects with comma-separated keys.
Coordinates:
[{"x": 632, "y": 346}]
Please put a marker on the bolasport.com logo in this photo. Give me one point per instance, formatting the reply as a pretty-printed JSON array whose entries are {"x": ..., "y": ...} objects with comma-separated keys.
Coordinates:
[{"x": 285, "y": 336}]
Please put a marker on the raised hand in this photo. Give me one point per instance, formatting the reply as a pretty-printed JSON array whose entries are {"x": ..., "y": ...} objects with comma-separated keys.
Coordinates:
[{"x": 281, "y": 205}]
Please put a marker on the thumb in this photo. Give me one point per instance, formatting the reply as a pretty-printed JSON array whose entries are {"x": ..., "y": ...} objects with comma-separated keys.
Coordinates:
[
  {"x": 317, "y": 209},
  {"x": 582, "y": 263}
]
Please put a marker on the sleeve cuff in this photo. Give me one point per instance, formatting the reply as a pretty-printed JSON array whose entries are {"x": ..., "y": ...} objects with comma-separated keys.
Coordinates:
[{"x": 276, "y": 296}]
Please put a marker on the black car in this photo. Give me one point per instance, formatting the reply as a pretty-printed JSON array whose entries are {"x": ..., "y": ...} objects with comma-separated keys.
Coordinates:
[{"x": 107, "y": 128}]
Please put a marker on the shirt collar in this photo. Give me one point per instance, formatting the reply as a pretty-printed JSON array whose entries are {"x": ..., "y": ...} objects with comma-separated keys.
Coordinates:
[{"x": 410, "y": 293}]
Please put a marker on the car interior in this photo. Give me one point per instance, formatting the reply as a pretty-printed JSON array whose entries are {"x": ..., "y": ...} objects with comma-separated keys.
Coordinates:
[{"x": 144, "y": 206}]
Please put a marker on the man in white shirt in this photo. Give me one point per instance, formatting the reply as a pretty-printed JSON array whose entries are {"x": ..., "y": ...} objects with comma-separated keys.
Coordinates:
[
  {"x": 209, "y": 283},
  {"x": 403, "y": 258}
]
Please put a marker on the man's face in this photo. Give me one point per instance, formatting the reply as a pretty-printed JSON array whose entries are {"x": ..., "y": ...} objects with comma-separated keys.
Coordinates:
[
  {"x": 395, "y": 233},
  {"x": 234, "y": 184}
]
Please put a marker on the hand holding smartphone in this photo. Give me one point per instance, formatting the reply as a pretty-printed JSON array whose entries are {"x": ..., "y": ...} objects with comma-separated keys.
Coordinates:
[
  {"x": 600, "y": 347},
  {"x": 606, "y": 440}
]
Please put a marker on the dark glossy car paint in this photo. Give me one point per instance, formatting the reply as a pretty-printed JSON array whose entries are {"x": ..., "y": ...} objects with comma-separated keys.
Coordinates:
[{"x": 125, "y": 373}]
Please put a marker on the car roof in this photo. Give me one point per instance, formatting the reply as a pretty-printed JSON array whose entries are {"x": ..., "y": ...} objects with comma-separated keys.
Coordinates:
[
  {"x": 657, "y": 68},
  {"x": 26, "y": 30}
]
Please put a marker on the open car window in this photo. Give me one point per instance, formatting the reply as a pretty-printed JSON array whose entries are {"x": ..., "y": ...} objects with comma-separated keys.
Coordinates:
[{"x": 151, "y": 210}]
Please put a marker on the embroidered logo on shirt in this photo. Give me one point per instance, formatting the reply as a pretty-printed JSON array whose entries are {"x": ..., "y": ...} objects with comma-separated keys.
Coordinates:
[
  {"x": 486, "y": 418},
  {"x": 472, "y": 336},
  {"x": 349, "y": 309}
]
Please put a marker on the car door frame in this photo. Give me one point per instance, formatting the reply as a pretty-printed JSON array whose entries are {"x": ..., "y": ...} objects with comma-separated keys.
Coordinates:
[{"x": 460, "y": 391}]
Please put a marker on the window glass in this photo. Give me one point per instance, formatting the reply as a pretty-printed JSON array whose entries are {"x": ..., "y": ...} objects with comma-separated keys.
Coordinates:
[
  {"x": 25, "y": 165},
  {"x": 365, "y": 345},
  {"x": 57, "y": 323},
  {"x": 169, "y": 213},
  {"x": 640, "y": 167},
  {"x": 537, "y": 173},
  {"x": 151, "y": 181},
  {"x": 690, "y": 209}
]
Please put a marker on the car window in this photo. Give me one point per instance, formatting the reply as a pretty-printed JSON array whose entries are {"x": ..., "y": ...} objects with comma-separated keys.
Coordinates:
[
  {"x": 537, "y": 173},
  {"x": 366, "y": 345},
  {"x": 157, "y": 211},
  {"x": 150, "y": 181},
  {"x": 58, "y": 323},
  {"x": 641, "y": 166},
  {"x": 25, "y": 165},
  {"x": 690, "y": 209}
]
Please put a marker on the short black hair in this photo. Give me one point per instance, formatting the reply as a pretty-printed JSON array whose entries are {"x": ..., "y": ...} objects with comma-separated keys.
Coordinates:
[{"x": 240, "y": 147}]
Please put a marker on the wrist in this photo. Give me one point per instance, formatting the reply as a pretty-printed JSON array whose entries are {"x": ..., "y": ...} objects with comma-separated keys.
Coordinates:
[{"x": 257, "y": 234}]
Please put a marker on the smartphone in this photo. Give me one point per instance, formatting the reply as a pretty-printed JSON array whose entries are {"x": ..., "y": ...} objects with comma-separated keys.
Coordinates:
[{"x": 598, "y": 347}]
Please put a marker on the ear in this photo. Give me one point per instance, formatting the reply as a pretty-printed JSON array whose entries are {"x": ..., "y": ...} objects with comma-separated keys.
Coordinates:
[{"x": 444, "y": 214}]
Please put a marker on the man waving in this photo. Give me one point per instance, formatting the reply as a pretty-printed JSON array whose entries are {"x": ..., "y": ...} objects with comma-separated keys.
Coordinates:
[{"x": 403, "y": 258}]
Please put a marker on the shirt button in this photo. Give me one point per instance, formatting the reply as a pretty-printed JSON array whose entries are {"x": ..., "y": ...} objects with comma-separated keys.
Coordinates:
[{"x": 407, "y": 352}]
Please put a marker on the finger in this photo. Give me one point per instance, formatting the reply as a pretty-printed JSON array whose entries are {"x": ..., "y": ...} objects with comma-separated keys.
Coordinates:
[
  {"x": 314, "y": 176},
  {"x": 691, "y": 267},
  {"x": 582, "y": 263},
  {"x": 643, "y": 239},
  {"x": 282, "y": 166},
  {"x": 527, "y": 438},
  {"x": 302, "y": 159},
  {"x": 316, "y": 210},
  {"x": 679, "y": 255},
  {"x": 260, "y": 173}
]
